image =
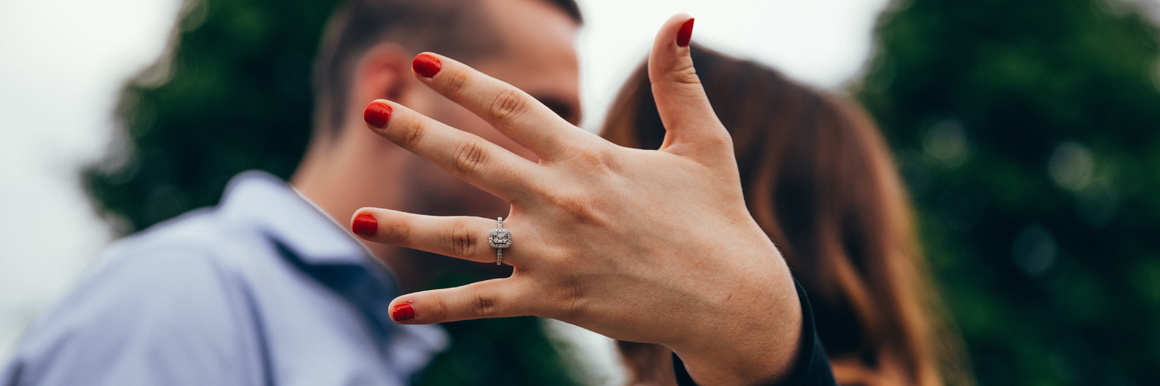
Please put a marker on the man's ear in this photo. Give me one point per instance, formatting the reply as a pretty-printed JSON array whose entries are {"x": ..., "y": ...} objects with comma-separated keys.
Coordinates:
[{"x": 383, "y": 73}]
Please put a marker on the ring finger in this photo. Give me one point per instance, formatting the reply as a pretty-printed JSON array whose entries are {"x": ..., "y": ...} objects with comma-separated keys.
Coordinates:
[{"x": 460, "y": 237}]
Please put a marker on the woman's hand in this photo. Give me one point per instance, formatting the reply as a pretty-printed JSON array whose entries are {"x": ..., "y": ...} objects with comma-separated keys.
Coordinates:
[{"x": 639, "y": 245}]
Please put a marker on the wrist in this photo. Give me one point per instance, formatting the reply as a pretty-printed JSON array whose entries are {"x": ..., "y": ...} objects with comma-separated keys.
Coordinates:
[{"x": 754, "y": 342}]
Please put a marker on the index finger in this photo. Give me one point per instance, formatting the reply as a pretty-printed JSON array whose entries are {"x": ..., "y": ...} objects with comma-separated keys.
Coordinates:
[{"x": 510, "y": 110}]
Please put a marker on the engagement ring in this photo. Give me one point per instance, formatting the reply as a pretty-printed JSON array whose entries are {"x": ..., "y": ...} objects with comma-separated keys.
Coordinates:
[{"x": 499, "y": 239}]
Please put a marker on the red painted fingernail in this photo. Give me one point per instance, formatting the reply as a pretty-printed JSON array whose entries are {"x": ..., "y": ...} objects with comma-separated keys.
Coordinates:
[
  {"x": 365, "y": 225},
  {"x": 685, "y": 33},
  {"x": 426, "y": 65},
  {"x": 377, "y": 114},
  {"x": 403, "y": 312}
]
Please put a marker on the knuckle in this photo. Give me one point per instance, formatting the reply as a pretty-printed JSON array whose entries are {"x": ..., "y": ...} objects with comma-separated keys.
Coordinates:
[
  {"x": 483, "y": 306},
  {"x": 457, "y": 83},
  {"x": 720, "y": 138},
  {"x": 470, "y": 155},
  {"x": 598, "y": 159},
  {"x": 461, "y": 240},
  {"x": 576, "y": 207},
  {"x": 571, "y": 299},
  {"x": 409, "y": 133},
  {"x": 508, "y": 106},
  {"x": 685, "y": 73}
]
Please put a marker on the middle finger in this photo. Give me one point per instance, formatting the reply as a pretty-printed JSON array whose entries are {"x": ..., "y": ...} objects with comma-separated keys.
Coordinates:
[{"x": 471, "y": 158}]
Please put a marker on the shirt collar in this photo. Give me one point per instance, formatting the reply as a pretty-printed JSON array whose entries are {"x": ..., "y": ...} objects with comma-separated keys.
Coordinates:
[
  {"x": 292, "y": 220},
  {"x": 315, "y": 238}
]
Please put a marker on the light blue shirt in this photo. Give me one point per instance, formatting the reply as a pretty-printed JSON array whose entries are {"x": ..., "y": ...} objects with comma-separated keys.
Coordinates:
[{"x": 265, "y": 289}]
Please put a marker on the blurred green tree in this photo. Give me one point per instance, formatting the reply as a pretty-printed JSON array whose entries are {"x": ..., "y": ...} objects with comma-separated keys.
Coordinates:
[
  {"x": 1027, "y": 132},
  {"x": 233, "y": 93}
]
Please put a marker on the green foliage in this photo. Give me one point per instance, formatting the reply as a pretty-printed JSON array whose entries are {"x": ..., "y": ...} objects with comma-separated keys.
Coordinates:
[
  {"x": 233, "y": 94},
  {"x": 1027, "y": 132}
]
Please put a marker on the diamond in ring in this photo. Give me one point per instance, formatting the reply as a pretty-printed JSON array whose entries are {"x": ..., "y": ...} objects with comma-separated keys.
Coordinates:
[{"x": 499, "y": 239}]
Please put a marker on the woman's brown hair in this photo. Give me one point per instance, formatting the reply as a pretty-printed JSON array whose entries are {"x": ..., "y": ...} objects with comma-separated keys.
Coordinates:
[{"x": 819, "y": 179}]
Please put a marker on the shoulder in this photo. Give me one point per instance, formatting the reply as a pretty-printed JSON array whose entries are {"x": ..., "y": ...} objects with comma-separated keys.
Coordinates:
[
  {"x": 180, "y": 272},
  {"x": 185, "y": 261},
  {"x": 189, "y": 254},
  {"x": 163, "y": 303}
]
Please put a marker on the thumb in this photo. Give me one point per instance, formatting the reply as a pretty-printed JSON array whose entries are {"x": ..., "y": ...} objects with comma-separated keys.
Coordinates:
[{"x": 684, "y": 108}]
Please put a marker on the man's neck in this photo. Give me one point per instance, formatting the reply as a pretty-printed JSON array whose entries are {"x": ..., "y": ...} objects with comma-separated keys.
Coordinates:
[{"x": 341, "y": 178}]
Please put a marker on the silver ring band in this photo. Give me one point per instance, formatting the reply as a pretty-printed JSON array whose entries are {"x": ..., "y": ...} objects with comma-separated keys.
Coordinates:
[{"x": 499, "y": 239}]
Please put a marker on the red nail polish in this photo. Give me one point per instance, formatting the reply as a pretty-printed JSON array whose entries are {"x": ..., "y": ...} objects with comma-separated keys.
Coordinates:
[
  {"x": 685, "y": 33},
  {"x": 365, "y": 225},
  {"x": 403, "y": 312},
  {"x": 377, "y": 114},
  {"x": 426, "y": 65}
]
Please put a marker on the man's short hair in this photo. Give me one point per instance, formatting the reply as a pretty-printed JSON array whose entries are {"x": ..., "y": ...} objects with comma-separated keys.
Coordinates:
[{"x": 456, "y": 28}]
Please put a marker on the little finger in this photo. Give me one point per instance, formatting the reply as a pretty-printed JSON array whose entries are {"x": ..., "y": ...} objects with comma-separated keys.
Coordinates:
[{"x": 495, "y": 298}]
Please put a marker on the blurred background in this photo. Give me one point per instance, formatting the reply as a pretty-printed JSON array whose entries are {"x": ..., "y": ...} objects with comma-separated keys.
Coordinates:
[{"x": 1026, "y": 132}]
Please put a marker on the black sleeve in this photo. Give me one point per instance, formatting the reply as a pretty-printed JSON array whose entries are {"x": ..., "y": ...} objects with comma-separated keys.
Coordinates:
[{"x": 811, "y": 367}]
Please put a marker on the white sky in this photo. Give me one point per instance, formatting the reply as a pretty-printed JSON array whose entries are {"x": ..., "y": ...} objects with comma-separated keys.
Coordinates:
[
  {"x": 61, "y": 62},
  {"x": 819, "y": 42}
]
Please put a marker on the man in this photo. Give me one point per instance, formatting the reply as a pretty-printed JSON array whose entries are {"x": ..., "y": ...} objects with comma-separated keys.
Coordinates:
[{"x": 267, "y": 288}]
